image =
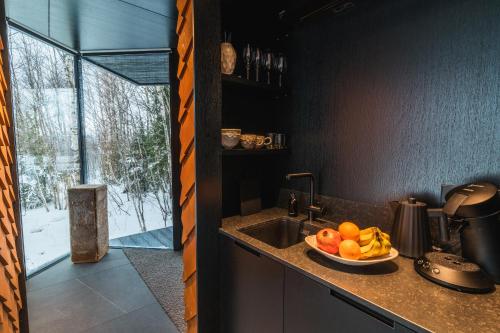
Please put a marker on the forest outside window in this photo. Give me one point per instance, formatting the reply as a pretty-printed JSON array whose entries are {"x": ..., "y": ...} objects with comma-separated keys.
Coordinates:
[{"x": 124, "y": 129}]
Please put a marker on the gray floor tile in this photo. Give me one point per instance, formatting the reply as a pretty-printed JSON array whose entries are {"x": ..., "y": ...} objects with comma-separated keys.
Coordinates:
[
  {"x": 66, "y": 270},
  {"x": 149, "y": 319},
  {"x": 122, "y": 285},
  {"x": 68, "y": 306}
]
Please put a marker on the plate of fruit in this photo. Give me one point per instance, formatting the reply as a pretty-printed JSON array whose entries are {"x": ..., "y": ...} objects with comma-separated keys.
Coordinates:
[{"x": 352, "y": 246}]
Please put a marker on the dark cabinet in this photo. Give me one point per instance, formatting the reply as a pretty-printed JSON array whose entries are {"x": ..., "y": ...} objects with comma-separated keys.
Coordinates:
[
  {"x": 313, "y": 308},
  {"x": 259, "y": 294},
  {"x": 251, "y": 290}
]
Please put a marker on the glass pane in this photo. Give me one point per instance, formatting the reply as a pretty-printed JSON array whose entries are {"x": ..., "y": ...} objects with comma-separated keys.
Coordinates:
[
  {"x": 127, "y": 144},
  {"x": 45, "y": 111}
]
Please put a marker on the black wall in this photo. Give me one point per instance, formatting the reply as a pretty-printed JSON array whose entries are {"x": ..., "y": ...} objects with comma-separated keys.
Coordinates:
[{"x": 396, "y": 98}]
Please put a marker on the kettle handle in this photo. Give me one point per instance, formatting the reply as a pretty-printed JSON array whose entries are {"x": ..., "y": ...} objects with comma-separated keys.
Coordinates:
[{"x": 444, "y": 230}]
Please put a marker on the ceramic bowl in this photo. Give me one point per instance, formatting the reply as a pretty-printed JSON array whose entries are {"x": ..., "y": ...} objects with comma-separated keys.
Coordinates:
[
  {"x": 248, "y": 141},
  {"x": 230, "y": 137}
]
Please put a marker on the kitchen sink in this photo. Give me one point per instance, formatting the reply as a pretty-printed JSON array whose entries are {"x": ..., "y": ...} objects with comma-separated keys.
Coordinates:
[{"x": 281, "y": 232}]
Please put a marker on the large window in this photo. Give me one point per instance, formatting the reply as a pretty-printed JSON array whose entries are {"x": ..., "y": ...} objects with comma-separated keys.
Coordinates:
[
  {"x": 45, "y": 111},
  {"x": 127, "y": 144},
  {"x": 127, "y": 147}
]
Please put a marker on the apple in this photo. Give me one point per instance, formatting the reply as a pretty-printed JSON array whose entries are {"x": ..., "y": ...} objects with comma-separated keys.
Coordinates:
[{"x": 328, "y": 240}]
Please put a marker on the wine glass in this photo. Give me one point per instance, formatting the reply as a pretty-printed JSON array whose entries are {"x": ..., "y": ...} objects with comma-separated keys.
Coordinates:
[
  {"x": 268, "y": 64},
  {"x": 281, "y": 67},
  {"x": 247, "y": 59},
  {"x": 257, "y": 59}
]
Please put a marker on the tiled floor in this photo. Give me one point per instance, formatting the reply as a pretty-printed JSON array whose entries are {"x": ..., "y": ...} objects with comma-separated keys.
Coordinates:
[{"x": 105, "y": 297}]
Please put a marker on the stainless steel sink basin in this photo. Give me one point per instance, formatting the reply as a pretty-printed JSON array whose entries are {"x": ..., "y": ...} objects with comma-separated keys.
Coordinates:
[{"x": 281, "y": 232}]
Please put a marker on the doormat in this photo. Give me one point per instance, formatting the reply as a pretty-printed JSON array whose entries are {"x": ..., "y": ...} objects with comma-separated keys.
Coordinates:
[{"x": 161, "y": 270}]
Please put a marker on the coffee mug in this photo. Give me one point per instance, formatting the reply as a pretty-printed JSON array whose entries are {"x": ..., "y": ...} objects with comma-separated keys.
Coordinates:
[
  {"x": 280, "y": 141},
  {"x": 261, "y": 141},
  {"x": 272, "y": 137},
  {"x": 248, "y": 141}
]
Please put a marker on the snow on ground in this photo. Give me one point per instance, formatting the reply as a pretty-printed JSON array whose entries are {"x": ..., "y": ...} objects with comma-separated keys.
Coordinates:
[{"x": 46, "y": 234}]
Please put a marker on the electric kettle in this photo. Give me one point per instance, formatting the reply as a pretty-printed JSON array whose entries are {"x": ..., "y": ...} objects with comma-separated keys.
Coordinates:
[{"x": 411, "y": 234}]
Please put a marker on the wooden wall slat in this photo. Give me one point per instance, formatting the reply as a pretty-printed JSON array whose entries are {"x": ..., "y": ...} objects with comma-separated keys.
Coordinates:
[
  {"x": 10, "y": 264},
  {"x": 192, "y": 325},
  {"x": 187, "y": 132},
  {"x": 187, "y": 176},
  {"x": 187, "y": 158},
  {"x": 188, "y": 218},
  {"x": 189, "y": 297},
  {"x": 189, "y": 256}
]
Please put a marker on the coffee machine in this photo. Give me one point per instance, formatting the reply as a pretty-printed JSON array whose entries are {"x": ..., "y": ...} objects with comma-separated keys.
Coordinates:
[{"x": 475, "y": 210}]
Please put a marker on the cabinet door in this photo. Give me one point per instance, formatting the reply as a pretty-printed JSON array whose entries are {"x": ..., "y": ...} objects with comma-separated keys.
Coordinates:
[
  {"x": 251, "y": 290},
  {"x": 313, "y": 308}
]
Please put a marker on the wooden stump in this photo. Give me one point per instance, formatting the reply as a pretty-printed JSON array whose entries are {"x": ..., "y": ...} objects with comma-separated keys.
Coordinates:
[{"x": 88, "y": 216}]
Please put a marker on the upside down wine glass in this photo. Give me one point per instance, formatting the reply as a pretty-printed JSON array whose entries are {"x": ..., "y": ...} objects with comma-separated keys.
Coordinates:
[
  {"x": 280, "y": 66},
  {"x": 247, "y": 59},
  {"x": 268, "y": 64}
]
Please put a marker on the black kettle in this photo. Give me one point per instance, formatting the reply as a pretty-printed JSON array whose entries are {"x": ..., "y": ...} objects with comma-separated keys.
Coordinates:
[
  {"x": 411, "y": 234},
  {"x": 475, "y": 210}
]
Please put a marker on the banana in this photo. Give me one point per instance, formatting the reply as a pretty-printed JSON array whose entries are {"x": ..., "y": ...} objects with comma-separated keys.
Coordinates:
[
  {"x": 365, "y": 239},
  {"x": 369, "y": 246},
  {"x": 386, "y": 246},
  {"x": 367, "y": 230},
  {"x": 374, "y": 243}
]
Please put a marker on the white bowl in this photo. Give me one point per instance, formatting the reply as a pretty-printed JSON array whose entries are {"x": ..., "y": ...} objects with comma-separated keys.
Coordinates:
[{"x": 311, "y": 241}]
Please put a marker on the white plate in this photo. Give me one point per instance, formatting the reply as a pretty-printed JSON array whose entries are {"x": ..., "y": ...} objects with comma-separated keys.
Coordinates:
[{"x": 311, "y": 241}]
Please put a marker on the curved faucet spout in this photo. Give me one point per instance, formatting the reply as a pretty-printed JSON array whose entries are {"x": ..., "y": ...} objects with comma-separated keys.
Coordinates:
[{"x": 309, "y": 175}]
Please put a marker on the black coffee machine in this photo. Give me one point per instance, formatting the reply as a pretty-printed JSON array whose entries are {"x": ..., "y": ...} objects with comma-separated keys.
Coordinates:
[{"x": 475, "y": 210}]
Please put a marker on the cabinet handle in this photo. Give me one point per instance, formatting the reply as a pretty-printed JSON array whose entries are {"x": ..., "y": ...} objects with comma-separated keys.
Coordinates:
[
  {"x": 247, "y": 248},
  {"x": 363, "y": 308}
]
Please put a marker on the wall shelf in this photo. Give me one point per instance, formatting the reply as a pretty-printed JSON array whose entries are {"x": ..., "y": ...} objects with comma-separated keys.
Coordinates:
[
  {"x": 253, "y": 152},
  {"x": 237, "y": 81}
]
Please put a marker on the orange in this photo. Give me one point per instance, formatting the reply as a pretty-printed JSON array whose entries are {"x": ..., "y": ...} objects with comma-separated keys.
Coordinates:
[
  {"x": 349, "y": 230},
  {"x": 350, "y": 249}
]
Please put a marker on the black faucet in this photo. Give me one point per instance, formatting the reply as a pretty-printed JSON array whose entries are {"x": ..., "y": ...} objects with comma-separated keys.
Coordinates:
[{"x": 311, "y": 209}]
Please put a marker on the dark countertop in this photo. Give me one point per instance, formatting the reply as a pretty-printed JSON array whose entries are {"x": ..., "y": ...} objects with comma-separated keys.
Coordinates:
[{"x": 393, "y": 287}]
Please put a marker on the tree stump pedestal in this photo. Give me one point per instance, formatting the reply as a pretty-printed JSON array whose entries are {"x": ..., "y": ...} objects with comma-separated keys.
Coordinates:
[{"x": 88, "y": 216}]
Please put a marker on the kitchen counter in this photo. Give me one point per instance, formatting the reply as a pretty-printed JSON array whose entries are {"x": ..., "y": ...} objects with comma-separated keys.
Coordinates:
[{"x": 393, "y": 288}]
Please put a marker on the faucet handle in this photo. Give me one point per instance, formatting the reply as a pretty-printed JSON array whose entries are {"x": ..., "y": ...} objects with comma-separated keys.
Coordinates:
[{"x": 316, "y": 209}]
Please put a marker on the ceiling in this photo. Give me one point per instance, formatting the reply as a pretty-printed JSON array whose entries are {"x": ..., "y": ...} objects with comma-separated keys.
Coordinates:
[
  {"x": 99, "y": 25},
  {"x": 141, "y": 69},
  {"x": 130, "y": 38}
]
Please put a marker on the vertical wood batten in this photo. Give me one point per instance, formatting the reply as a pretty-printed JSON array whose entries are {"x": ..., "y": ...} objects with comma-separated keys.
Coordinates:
[
  {"x": 13, "y": 313},
  {"x": 187, "y": 199},
  {"x": 199, "y": 116}
]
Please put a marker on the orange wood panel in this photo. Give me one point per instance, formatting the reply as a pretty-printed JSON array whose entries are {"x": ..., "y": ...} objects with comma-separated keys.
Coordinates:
[
  {"x": 192, "y": 325},
  {"x": 6, "y": 116},
  {"x": 186, "y": 36},
  {"x": 189, "y": 256},
  {"x": 187, "y": 132},
  {"x": 187, "y": 157},
  {"x": 189, "y": 297},
  {"x": 181, "y": 7},
  {"x": 188, "y": 218},
  {"x": 187, "y": 176},
  {"x": 10, "y": 265}
]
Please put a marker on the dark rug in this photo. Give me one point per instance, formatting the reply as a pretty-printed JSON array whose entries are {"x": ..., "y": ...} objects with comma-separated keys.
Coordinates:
[{"x": 161, "y": 270}]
